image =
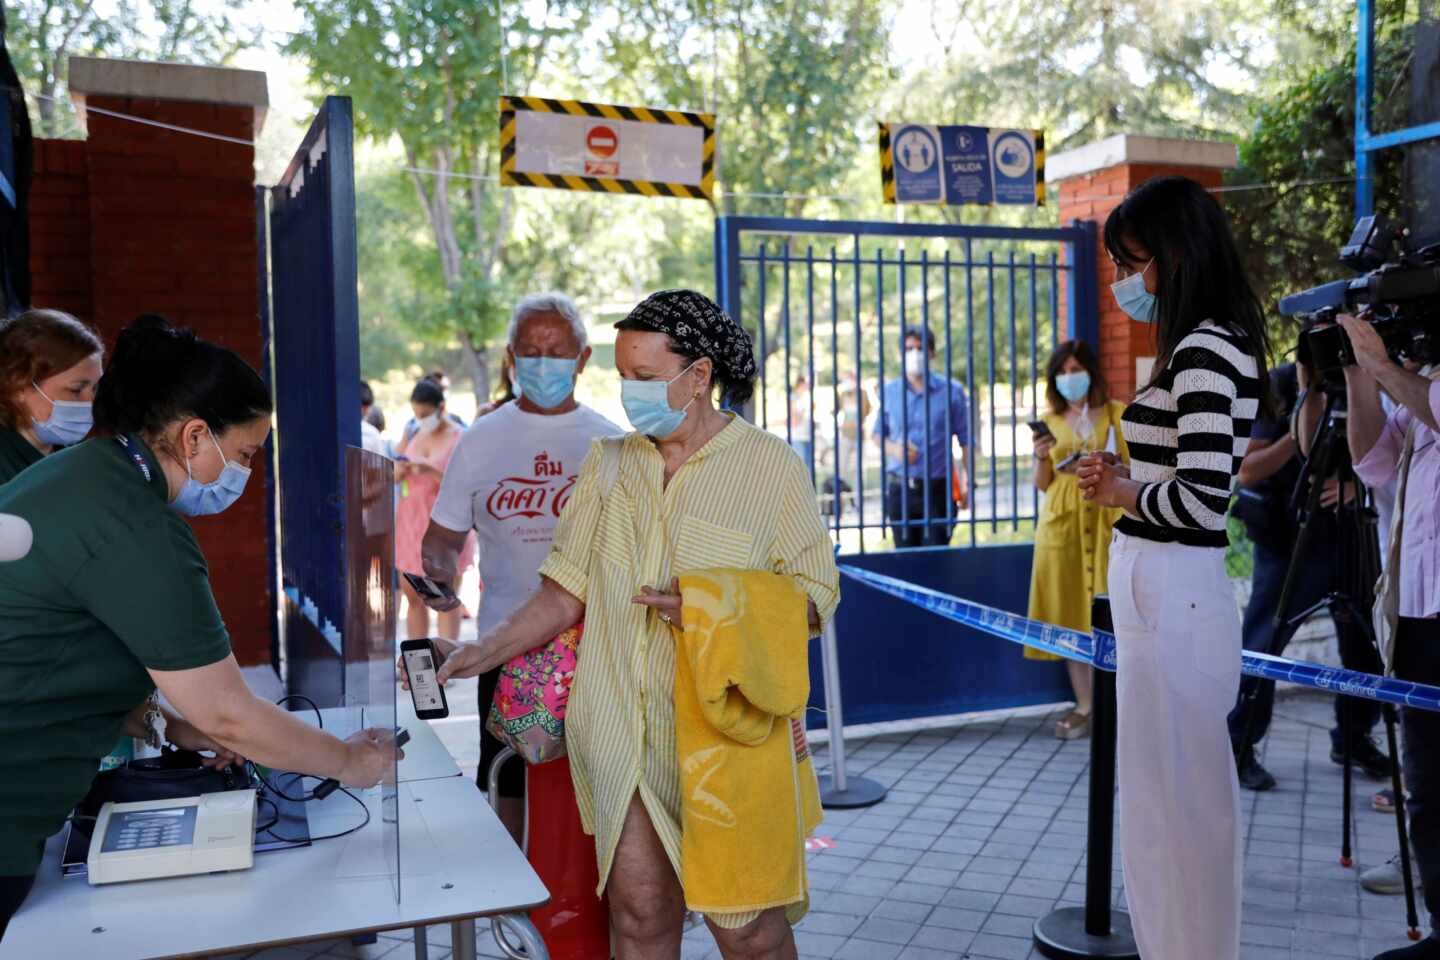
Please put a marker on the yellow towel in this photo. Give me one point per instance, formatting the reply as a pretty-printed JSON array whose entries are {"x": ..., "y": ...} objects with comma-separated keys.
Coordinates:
[{"x": 748, "y": 792}]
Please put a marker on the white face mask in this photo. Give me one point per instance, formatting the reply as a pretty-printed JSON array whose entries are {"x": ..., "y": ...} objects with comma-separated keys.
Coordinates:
[
  {"x": 915, "y": 362},
  {"x": 429, "y": 423}
]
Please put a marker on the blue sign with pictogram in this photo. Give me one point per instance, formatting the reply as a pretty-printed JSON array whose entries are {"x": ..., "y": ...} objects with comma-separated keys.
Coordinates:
[{"x": 954, "y": 165}]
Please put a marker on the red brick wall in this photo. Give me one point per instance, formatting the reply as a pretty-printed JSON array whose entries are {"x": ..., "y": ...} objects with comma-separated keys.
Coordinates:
[
  {"x": 1092, "y": 197},
  {"x": 138, "y": 219}
]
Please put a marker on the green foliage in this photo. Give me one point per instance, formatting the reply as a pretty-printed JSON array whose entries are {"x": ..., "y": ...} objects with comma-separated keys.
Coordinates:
[
  {"x": 1240, "y": 554},
  {"x": 43, "y": 34},
  {"x": 1303, "y": 132}
]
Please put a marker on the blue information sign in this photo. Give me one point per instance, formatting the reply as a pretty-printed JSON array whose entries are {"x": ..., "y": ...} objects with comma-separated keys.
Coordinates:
[{"x": 953, "y": 165}]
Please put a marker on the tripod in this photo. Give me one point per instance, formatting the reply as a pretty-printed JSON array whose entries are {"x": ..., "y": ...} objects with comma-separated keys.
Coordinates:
[{"x": 1359, "y": 556}]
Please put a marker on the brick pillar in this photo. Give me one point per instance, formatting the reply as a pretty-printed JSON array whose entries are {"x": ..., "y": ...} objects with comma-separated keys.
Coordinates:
[
  {"x": 60, "y": 227},
  {"x": 1092, "y": 181},
  {"x": 171, "y": 230}
]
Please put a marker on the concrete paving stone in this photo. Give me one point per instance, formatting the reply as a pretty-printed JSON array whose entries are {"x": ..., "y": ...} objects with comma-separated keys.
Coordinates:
[
  {"x": 994, "y": 947},
  {"x": 1000, "y": 866},
  {"x": 854, "y": 949},
  {"x": 822, "y": 946},
  {"x": 903, "y": 910},
  {"x": 1046, "y": 871},
  {"x": 979, "y": 805},
  {"x": 1319, "y": 942},
  {"x": 1009, "y": 851},
  {"x": 1267, "y": 953},
  {"x": 926, "y": 893},
  {"x": 862, "y": 835},
  {"x": 932, "y": 875},
  {"x": 866, "y": 886},
  {"x": 945, "y": 801},
  {"x": 944, "y": 860},
  {"x": 929, "y": 828},
  {"x": 1021, "y": 906},
  {"x": 1346, "y": 907},
  {"x": 943, "y": 938},
  {"x": 1032, "y": 887},
  {"x": 888, "y": 854},
  {"x": 915, "y": 952},
  {"x": 1008, "y": 925},
  {"x": 885, "y": 930},
  {"x": 912, "y": 841},
  {"x": 845, "y": 903},
  {"x": 879, "y": 868},
  {"x": 1262, "y": 936},
  {"x": 932, "y": 811}
]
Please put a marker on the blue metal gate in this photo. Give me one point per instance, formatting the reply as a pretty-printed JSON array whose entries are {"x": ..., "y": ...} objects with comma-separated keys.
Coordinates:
[
  {"x": 830, "y": 303},
  {"x": 316, "y": 368}
]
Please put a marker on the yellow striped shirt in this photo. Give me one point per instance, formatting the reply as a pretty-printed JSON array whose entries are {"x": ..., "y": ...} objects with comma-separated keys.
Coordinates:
[{"x": 744, "y": 500}]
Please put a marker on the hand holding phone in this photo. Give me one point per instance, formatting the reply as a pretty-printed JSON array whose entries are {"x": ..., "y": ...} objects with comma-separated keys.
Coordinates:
[
  {"x": 421, "y": 660},
  {"x": 436, "y": 593}
]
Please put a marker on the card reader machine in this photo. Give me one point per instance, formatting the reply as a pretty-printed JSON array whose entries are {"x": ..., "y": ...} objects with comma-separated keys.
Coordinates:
[{"x": 208, "y": 833}]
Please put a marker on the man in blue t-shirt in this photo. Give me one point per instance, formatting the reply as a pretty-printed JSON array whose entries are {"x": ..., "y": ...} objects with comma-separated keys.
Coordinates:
[{"x": 919, "y": 413}]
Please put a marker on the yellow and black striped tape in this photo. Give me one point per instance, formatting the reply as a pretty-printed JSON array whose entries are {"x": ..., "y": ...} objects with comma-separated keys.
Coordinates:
[
  {"x": 511, "y": 177},
  {"x": 887, "y": 166}
]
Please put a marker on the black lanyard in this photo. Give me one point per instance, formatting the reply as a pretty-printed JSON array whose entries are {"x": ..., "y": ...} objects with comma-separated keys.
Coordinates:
[{"x": 136, "y": 457}]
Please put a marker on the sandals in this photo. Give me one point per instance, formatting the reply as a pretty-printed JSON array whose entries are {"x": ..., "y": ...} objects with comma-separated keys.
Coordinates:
[{"x": 1073, "y": 726}]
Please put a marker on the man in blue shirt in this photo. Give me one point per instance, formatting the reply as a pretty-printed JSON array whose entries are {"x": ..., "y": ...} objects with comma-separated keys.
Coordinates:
[{"x": 918, "y": 416}]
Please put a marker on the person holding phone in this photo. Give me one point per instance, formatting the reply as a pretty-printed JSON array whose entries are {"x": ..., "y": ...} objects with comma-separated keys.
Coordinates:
[
  {"x": 1072, "y": 537},
  {"x": 1177, "y": 628},
  {"x": 50, "y": 364},
  {"x": 113, "y": 602},
  {"x": 422, "y": 459}
]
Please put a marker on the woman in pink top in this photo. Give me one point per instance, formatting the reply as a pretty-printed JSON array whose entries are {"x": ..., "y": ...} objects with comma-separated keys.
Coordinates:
[{"x": 420, "y": 465}]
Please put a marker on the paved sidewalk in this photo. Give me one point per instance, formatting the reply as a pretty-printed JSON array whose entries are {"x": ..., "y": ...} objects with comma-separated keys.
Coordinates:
[{"x": 984, "y": 830}]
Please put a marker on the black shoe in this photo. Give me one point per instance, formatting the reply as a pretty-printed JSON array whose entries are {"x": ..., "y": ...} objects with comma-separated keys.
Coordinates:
[
  {"x": 1252, "y": 775},
  {"x": 1427, "y": 949},
  {"x": 1367, "y": 758}
]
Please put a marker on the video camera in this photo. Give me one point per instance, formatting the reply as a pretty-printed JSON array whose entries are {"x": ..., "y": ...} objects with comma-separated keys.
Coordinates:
[{"x": 1397, "y": 292}]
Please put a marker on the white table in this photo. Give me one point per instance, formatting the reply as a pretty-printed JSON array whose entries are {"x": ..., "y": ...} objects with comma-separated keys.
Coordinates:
[{"x": 457, "y": 864}]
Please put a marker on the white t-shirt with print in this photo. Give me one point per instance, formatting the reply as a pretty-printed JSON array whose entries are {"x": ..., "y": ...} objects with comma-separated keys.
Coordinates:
[{"x": 510, "y": 476}]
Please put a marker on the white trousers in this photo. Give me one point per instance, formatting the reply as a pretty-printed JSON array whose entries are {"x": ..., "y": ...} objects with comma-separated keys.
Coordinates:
[{"x": 1177, "y": 633}]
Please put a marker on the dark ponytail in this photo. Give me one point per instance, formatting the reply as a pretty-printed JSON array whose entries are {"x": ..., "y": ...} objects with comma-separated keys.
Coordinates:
[{"x": 159, "y": 375}]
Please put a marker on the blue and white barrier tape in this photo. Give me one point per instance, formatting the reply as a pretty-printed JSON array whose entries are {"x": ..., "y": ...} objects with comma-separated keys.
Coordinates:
[{"x": 1099, "y": 649}]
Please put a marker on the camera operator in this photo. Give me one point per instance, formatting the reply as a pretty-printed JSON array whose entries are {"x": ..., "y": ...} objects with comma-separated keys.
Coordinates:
[
  {"x": 1378, "y": 445},
  {"x": 1268, "y": 477}
]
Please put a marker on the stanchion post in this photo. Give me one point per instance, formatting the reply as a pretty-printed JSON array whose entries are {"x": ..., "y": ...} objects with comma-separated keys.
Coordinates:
[
  {"x": 1095, "y": 930},
  {"x": 838, "y": 791}
]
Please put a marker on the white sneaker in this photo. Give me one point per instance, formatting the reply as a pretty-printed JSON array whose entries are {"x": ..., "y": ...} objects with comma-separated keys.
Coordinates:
[{"x": 1386, "y": 879}]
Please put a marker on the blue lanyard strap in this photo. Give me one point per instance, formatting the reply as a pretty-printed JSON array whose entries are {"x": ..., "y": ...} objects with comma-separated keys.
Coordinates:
[{"x": 135, "y": 457}]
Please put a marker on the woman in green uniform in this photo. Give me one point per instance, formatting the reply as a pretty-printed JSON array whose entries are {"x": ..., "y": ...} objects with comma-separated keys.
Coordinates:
[
  {"x": 49, "y": 367},
  {"x": 113, "y": 600}
]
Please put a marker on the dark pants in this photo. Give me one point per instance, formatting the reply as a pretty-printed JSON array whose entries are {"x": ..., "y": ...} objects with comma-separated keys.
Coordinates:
[
  {"x": 13, "y": 891},
  {"x": 512, "y": 775},
  {"x": 1250, "y": 719},
  {"x": 1417, "y": 658},
  {"x": 925, "y": 504}
]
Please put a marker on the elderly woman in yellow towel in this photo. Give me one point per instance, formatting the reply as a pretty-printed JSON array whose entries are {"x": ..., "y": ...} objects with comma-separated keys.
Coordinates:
[
  {"x": 1072, "y": 540},
  {"x": 697, "y": 489}
]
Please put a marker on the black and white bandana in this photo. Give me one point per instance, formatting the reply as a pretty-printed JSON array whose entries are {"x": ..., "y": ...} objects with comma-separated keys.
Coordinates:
[{"x": 698, "y": 326}]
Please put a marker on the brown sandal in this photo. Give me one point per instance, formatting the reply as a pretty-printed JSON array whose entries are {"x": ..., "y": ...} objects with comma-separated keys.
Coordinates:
[{"x": 1073, "y": 726}]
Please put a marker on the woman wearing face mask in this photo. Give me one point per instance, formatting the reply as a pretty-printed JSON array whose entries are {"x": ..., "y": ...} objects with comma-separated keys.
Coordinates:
[
  {"x": 1072, "y": 540},
  {"x": 1177, "y": 628},
  {"x": 697, "y": 487},
  {"x": 113, "y": 601},
  {"x": 420, "y": 465},
  {"x": 49, "y": 367}
]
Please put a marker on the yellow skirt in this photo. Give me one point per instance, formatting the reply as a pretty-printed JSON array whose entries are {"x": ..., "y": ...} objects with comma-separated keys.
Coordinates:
[{"x": 1072, "y": 559}]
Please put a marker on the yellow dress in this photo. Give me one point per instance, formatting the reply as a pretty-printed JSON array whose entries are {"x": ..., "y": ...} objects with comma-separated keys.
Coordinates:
[
  {"x": 1072, "y": 540},
  {"x": 745, "y": 501}
]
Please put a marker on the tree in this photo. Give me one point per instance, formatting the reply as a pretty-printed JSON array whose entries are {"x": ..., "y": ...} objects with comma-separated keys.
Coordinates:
[
  {"x": 1301, "y": 141},
  {"x": 44, "y": 34},
  {"x": 429, "y": 75}
]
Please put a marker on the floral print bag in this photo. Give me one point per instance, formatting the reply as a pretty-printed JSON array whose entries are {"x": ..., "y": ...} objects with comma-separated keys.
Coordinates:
[{"x": 528, "y": 712}]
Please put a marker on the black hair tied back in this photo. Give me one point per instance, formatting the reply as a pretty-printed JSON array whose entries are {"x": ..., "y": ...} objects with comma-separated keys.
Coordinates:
[{"x": 160, "y": 374}]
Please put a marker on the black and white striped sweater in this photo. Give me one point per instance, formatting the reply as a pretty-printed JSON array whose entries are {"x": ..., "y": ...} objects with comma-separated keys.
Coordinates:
[{"x": 1187, "y": 436}]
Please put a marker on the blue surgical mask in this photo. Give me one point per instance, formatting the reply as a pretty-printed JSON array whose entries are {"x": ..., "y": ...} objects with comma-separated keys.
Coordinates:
[
  {"x": 1133, "y": 298},
  {"x": 1073, "y": 386},
  {"x": 198, "y": 499},
  {"x": 546, "y": 382},
  {"x": 69, "y": 421},
  {"x": 647, "y": 404}
]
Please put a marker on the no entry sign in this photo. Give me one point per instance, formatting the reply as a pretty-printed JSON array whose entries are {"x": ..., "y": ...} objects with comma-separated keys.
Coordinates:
[{"x": 573, "y": 145}]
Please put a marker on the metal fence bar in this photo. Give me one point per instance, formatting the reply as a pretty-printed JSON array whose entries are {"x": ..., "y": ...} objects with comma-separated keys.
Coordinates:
[
  {"x": 952, "y": 509},
  {"x": 837, "y": 502},
  {"x": 860, "y": 413},
  {"x": 760, "y": 325},
  {"x": 810, "y": 384},
  {"x": 970, "y": 367},
  {"x": 1055, "y": 301},
  {"x": 785, "y": 317},
  {"x": 880, "y": 371},
  {"x": 1014, "y": 403},
  {"x": 1034, "y": 372},
  {"x": 990, "y": 315}
]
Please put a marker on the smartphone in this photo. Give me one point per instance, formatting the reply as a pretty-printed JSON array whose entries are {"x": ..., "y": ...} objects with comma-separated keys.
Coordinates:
[
  {"x": 1040, "y": 428},
  {"x": 402, "y": 736},
  {"x": 428, "y": 588},
  {"x": 421, "y": 661},
  {"x": 1071, "y": 460}
]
